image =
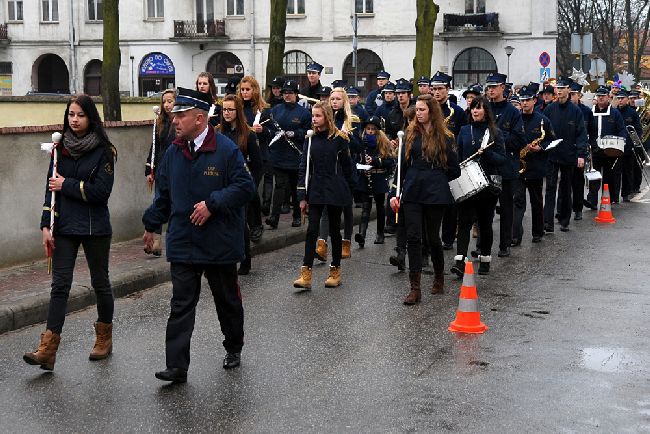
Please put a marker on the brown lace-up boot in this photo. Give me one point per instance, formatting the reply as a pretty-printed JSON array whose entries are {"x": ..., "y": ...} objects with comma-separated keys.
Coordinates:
[
  {"x": 414, "y": 294},
  {"x": 103, "y": 341},
  {"x": 334, "y": 278},
  {"x": 438, "y": 284},
  {"x": 346, "y": 251},
  {"x": 46, "y": 353}
]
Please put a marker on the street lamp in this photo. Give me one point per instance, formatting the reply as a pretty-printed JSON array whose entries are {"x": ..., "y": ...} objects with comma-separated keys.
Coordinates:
[{"x": 509, "y": 49}]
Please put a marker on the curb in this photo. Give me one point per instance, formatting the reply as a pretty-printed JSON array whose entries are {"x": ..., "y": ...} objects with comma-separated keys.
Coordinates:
[{"x": 33, "y": 310}]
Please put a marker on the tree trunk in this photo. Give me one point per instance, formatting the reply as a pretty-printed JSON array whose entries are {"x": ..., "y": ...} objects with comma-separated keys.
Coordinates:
[
  {"x": 111, "y": 62},
  {"x": 425, "y": 23},
  {"x": 276, "y": 44}
]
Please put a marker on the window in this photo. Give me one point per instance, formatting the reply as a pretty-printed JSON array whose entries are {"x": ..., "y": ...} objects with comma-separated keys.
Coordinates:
[
  {"x": 93, "y": 78},
  {"x": 95, "y": 10},
  {"x": 50, "y": 10},
  {"x": 473, "y": 66},
  {"x": 295, "y": 66},
  {"x": 15, "y": 10},
  {"x": 5, "y": 68},
  {"x": 235, "y": 7},
  {"x": 155, "y": 8},
  {"x": 295, "y": 7},
  {"x": 474, "y": 6},
  {"x": 363, "y": 6}
]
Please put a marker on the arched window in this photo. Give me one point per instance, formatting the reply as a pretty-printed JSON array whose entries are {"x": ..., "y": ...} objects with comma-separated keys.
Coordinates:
[
  {"x": 156, "y": 73},
  {"x": 223, "y": 65},
  {"x": 295, "y": 66},
  {"x": 472, "y": 66},
  {"x": 50, "y": 75},
  {"x": 368, "y": 65},
  {"x": 93, "y": 78}
]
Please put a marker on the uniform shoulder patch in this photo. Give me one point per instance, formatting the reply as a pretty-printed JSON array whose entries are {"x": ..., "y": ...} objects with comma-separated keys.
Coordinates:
[{"x": 108, "y": 168}]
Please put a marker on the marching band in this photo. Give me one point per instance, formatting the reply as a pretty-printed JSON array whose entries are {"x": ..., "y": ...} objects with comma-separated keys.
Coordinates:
[{"x": 433, "y": 170}]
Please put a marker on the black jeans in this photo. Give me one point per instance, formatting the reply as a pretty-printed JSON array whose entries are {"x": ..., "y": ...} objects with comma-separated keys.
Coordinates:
[
  {"x": 96, "y": 250},
  {"x": 417, "y": 215},
  {"x": 334, "y": 219},
  {"x": 366, "y": 204},
  {"x": 507, "y": 213},
  {"x": 449, "y": 224},
  {"x": 534, "y": 187},
  {"x": 186, "y": 288},
  {"x": 348, "y": 224},
  {"x": 578, "y": 188},
  {"x": 627, "y": 168},
  {"x": 479, "y": 208},
  {"x": 286, "y": 183},
  {"x": 565, "y": 173}
]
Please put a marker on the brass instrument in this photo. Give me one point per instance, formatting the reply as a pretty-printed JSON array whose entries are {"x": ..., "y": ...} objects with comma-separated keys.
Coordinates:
[
  {"x": 638, "y": 145},
  {"x": 308, "y": 99},
  {"x": 451, "y": 112},
  {"x": 524, "y": 152},
  {"x": 644, "y": 115}
]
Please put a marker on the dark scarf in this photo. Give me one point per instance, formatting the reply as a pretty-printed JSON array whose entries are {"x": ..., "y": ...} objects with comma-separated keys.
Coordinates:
[{"x": 78, "y": 146}]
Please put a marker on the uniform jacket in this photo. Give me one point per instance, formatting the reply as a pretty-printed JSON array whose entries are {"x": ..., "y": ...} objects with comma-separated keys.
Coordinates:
[
  {"x": 380, "y": 172},
  {"x": 252, "y": 156},
  {"x": 568, "y": 125},
  {"x": 265, "y": 136},
  {"x": 218, "y": 176},
  {"x": 425, "y": 182},
  {"x": 374, "y": 100},
  {"x": 512, "y": 127},
  {"x": 631, "y": 117},
  {"x": 82, "y": 204},
  {"x": 162, "y": 140},
  {"x": 330, "y": 172},
  {"x": 311, "y": 91},
  {"x": 275, "y": 100},
  {"x": 385, "y": 109},
  {"x": 536, "y": 161},
  {"x": 457, "y": 120},
  {"x": 290, "y": 117},
  {"x": 396, "y": 121},
  {"x": 590, "y": 125},
  {"x": 469, "y": 141},
  {"x": 361, "y": 112}
]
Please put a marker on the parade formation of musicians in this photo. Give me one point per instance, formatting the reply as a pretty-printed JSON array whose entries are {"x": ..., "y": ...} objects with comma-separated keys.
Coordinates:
[{"x": 436, "y": 173}]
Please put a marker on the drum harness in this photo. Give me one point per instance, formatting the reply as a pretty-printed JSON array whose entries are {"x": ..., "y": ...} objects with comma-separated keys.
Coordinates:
[{"x": 599, "y": 116}]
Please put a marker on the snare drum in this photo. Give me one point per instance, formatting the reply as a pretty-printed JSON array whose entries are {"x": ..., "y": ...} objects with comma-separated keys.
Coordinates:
[
  {"x": 472, "y": 180},
  {"x": 613, "y": 146}
]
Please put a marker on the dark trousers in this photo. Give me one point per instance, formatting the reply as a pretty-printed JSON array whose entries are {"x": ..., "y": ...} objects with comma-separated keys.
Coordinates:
[
  {"x": 186, "y": 288},
  {"x": 578, "y": 188},
  {"x": 480, "y": 209},
  {"x": 286, "y": 183},
  {"x": 610, "y": 169},
  {"x": 534, "y": 187},
  {"x": 348, "y": 224},
  {"x": 366, "y": 205},
  {"x": 96, "y": 250},
  {"x": 254, "y": 212},
  {"x": 449, "y": 224},
  {"x": 267, "y": 186},
  {"x": 565, "y": 175},
  {"x": 417, "y": 215},
  {"x": 507, "y": 213},
  {"x": 627, "y": 168},
  {"x": 334, "y": 221}
]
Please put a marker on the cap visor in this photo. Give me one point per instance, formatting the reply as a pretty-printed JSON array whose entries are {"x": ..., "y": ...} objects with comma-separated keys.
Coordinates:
[{"x": 182, "y": 108}]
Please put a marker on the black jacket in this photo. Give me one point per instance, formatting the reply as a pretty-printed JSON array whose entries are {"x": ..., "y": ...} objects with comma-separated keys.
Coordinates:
[
  {"x": 568, "y": 124},
  {"x": 536, "y": 161},
  {"x": 375, "y": 180},
  {"x": 82, "y": 204},
  {"x": 252, "y": 156},
  {"x": 457, "y": 119},
  {"x": 512, "y": 127},
  {"x": 330, "y": 172},
  {"x": 469, "y": 141},
  {"x": 396, "y": 121},
  {"x": 264, "y": 137},
  {"x": 162, "y": 140}
]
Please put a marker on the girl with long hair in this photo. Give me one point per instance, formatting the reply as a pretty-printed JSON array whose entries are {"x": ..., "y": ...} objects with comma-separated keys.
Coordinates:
[
  {"x": 327, "y": 188},
  {"x": 83, "y": 183},
  {"x": 233, "y": 125},
  {"x": 165, "y": 135},
  {"x": 251, "y": 95},
  {"x": 429, "y": 162},
  {"x": 205, "y": 84},
  {"x": 373, "y": 183},
  {"x": 480, "y": 207}
]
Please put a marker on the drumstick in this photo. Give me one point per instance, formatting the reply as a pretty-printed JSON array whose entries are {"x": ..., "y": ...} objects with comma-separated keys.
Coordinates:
[
  {"x": 156, "y": 111},
  {"x": 310, "y": 134},
  {"x": 400, "y": 137}
]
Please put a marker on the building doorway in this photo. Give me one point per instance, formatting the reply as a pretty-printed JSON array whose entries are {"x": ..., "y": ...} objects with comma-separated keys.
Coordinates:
[{"x": 368, "y": 65}]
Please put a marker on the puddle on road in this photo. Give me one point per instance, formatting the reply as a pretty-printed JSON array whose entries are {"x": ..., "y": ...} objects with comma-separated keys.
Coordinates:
[{"x": 608, "y": 359}]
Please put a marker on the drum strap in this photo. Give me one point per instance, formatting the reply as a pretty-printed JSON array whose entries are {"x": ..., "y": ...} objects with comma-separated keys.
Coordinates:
[{"x": 599, "y": 116}]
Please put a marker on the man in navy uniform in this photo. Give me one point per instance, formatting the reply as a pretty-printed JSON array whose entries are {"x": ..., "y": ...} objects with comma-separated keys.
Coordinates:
[
  {"x": 375, "y": 97},
  {"x": 424, "y": 87},
  {"x": 357, "y": 109},
  {"x": 568, "y": 124},
  {"x": 532, "y": 173},
  {"x": 202, "y": 188},
  {"x": 578, "y": 182},
  {"x": 548, "y": 93},
  {"x": 389, "y": 103},
  {"x": 509, "y": 121},
  {"x": 313, "y": 75},
  {"x": 395, "y": 121}
]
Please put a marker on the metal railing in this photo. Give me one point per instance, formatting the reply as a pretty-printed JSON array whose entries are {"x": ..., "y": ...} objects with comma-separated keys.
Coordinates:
[
  {"x": 488, "y": 22},
  {"x": 4, "y": 33},
  {"x": 199, "y": 29}
]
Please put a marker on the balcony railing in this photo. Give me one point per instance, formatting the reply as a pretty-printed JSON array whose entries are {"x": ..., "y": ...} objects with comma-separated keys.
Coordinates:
[
  {"x": 4, "y": 34},
  {"x": 199, "y": 29},
  {"x": 454, "y": 23}
]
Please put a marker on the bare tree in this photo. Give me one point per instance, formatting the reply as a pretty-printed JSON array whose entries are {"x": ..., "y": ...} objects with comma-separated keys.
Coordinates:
[
  {"x": 608, "y": 26},
  {"x": 637, "y": 21},
  {"x": 111, "y": 62},
  {"x": 277, "y": 38},
  {"x": 425, "y": 22}
]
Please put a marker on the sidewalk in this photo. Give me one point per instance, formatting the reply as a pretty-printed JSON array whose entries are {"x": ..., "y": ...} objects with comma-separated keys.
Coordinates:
[{"x": 25, "y": 289}]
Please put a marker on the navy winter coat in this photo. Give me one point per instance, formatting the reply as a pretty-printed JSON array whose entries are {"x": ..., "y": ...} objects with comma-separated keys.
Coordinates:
[
  {"x": 469, "y": 141},
  {"x": 218, "y": 176},
  {"x": 372, "y": 99},
  {"x": 82, "y": 204},
  {"x": 512, "y": 127},
  {"x": 568, "y": 125},
  {"x": 290, "y": 117},
  {"x": 426, "y": 182}
]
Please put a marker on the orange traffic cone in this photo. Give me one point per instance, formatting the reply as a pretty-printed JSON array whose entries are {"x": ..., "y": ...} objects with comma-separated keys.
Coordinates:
[
  {"x": 605, "y": 212},
  {"x": 468, "y": 317}
]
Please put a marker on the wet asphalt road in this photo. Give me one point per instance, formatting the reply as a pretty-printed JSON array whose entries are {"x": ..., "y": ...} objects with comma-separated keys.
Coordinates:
[{"x": 567, "y": 350}]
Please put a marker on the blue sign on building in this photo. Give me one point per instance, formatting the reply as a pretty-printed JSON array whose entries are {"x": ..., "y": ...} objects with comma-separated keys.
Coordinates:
[{"x": 157, "y": 64}]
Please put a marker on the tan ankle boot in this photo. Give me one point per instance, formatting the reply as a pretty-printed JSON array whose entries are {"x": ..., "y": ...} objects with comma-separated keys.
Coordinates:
[
  {"x": 334, "y": 279},
  {"x": 438, "y": 284},
  {"x": 414, "y": 294},
  {"x": 304, "y": 281},
  {"x": 321, "y": 250},
  {"x": 103, "y": 341},
  {"x": 346, "y": 252},
  {"x": 46, "y": 353}
]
